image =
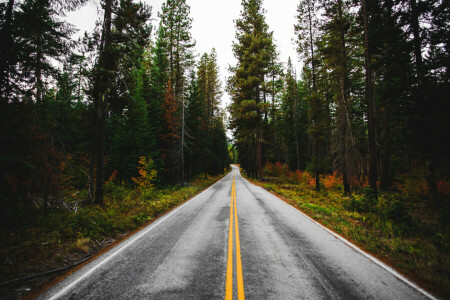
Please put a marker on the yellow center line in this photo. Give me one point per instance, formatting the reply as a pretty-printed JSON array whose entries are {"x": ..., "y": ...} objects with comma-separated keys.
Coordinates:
[
  {"x": 229, "y": 279},
  {"x": 240, "y": 279}
]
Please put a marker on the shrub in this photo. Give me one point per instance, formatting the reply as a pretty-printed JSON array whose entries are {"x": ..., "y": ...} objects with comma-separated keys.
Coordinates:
[
  {"x": 147, "y": 174},
  {"x": 332, "y": 181}
]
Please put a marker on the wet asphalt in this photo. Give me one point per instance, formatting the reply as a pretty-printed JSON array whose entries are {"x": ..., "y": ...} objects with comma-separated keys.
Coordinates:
[{"x": 183, "y": 255}]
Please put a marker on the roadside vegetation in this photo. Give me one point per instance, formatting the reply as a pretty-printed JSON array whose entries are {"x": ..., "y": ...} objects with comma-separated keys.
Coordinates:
[
  {"x": 399, "y": 227},
  {"x": 75, "y": 230}
]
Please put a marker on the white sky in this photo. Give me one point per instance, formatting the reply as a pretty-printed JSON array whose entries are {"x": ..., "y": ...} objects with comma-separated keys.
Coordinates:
[{"x": 213, "y": 26}]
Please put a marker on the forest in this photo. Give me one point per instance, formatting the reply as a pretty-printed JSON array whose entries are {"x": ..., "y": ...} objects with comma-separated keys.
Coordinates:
[
  {"x": 114, "y": 122},
  {"x": 371, "y": 100},
  {"x": 75, "y": 113}
]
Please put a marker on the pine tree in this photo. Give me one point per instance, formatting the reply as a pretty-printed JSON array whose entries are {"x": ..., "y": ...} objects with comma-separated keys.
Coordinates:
[
  {"x": 290, "y": 109},
  {"x": 32, "y": 28},
  {"x": 210, "y": 92},
  {"x": 41, "y": 38},
  {"x": 170, "y": 134},
  {"x": 176, "y": 25},
  {"x": 307, "y": 31},
  {"x": 213, "y": 88},
  {"x": 132, "y": 134},
  {"x": 337, "y": 29},
  {"x": 252, "y": 51},
  {"x": 198, "y": 143},
  {"x": 369, "y": 99},
  {"x": 103, "y": 99}
]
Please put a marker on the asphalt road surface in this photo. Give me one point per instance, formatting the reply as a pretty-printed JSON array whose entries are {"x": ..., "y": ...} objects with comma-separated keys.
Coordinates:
[{"x": 235, "y": 240}]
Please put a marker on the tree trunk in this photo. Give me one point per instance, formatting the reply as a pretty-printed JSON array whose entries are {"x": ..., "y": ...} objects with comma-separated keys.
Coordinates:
[
  {"x": 6, "y": 48},
  {"x": 258, "y": 151},
  {"x": 344, "y": 104},
  {"x": 92, "y": 166},
  {"x": 311, "y": 45},
  {"x": 385, "y": 181},
  {"x": 316, "y": 147},
  {"x": 264, "y": 100},
  {"x": 369, "y": 100},
  {"x": 345, "y": 181},
  {"x": 428, "y": 149},
  {"x": 38, "y": 69},
  {"x": 295, "y": 118},
  {"x": 274, "y": 135},
  {"x": 182, "y": 139},
  {"x": 106, "y": 67}
]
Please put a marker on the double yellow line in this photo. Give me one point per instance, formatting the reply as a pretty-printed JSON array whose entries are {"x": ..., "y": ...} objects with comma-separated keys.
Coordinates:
[{"x": 240, "y": 279}]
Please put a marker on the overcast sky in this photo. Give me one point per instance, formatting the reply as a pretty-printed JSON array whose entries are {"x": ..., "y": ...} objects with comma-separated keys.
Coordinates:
[{"x": 213, "y": 26}]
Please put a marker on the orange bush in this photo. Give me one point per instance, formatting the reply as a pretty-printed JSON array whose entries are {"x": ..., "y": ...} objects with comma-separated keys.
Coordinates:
[
  {"x": 309, "y": 179},
  {"x": 146, "y": 173},
  {"x": 332, "y": 180}
]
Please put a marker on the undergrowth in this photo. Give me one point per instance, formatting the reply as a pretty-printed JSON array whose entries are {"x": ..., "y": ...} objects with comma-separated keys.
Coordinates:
[
  {"x": 399, "y": 227},
  {"x": 64, "y": 236}
]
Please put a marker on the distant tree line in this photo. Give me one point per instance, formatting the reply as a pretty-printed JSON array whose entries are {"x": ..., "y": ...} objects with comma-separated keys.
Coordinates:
[
  {"x": 372, "y": 100},
  {"x": 73, "y": 113}
]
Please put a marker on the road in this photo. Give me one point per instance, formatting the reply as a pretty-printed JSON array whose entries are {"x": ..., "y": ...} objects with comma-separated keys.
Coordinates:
[{"x": 270, "y": 251}]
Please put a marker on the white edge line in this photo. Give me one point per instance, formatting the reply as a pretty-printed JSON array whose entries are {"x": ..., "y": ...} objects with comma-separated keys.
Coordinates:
[
  {"x": 120, "y": 247},
  {"x": 354, "y": 247}
]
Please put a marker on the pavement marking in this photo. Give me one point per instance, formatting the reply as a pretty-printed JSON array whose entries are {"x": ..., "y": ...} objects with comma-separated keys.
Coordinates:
[
  {"x": 239, "y": 276},
  {"x": 229, "y": 281},
  {"x": 127, "y": 243},
  {"x": 354, "y": 247}
]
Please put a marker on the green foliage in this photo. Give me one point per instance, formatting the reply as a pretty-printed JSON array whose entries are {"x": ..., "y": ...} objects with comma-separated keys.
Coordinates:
[
  {"x": 412, "y": 239},
  {"x": 255, "y": 54},
  {"x": 63, "y": 232},
  {"x": 398, "y": 212}
]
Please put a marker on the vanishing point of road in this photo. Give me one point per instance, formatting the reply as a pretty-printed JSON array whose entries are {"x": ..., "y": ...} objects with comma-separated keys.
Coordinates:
[{"x": 235, "y": 240}]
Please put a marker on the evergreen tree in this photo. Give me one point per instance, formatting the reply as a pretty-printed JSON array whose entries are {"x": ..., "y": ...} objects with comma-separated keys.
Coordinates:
[
  {"x": 307, "y": 29},
  {"x": 290, "y": 108},
  {"x": 273, "y": 88},
  {"x": 369, "y": 102},
  {"x": 170, "y": 134},
  {"x": 158, "y": 78},
  {"x": 132, "y": 135},
  {"x": 428, "y": 105},
  {"x": 198, "y": 153},
  {"x": 41, "y": 37},
  {"x": 32, "y": 29},
  {"x": 252, "y": 51},
  {"x": 176, "y": 25},
  {"x": 337, "y": 30}
]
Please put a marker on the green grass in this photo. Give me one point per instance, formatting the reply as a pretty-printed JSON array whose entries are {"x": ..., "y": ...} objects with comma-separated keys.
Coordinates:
[{"x": 403, "y": 232}]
